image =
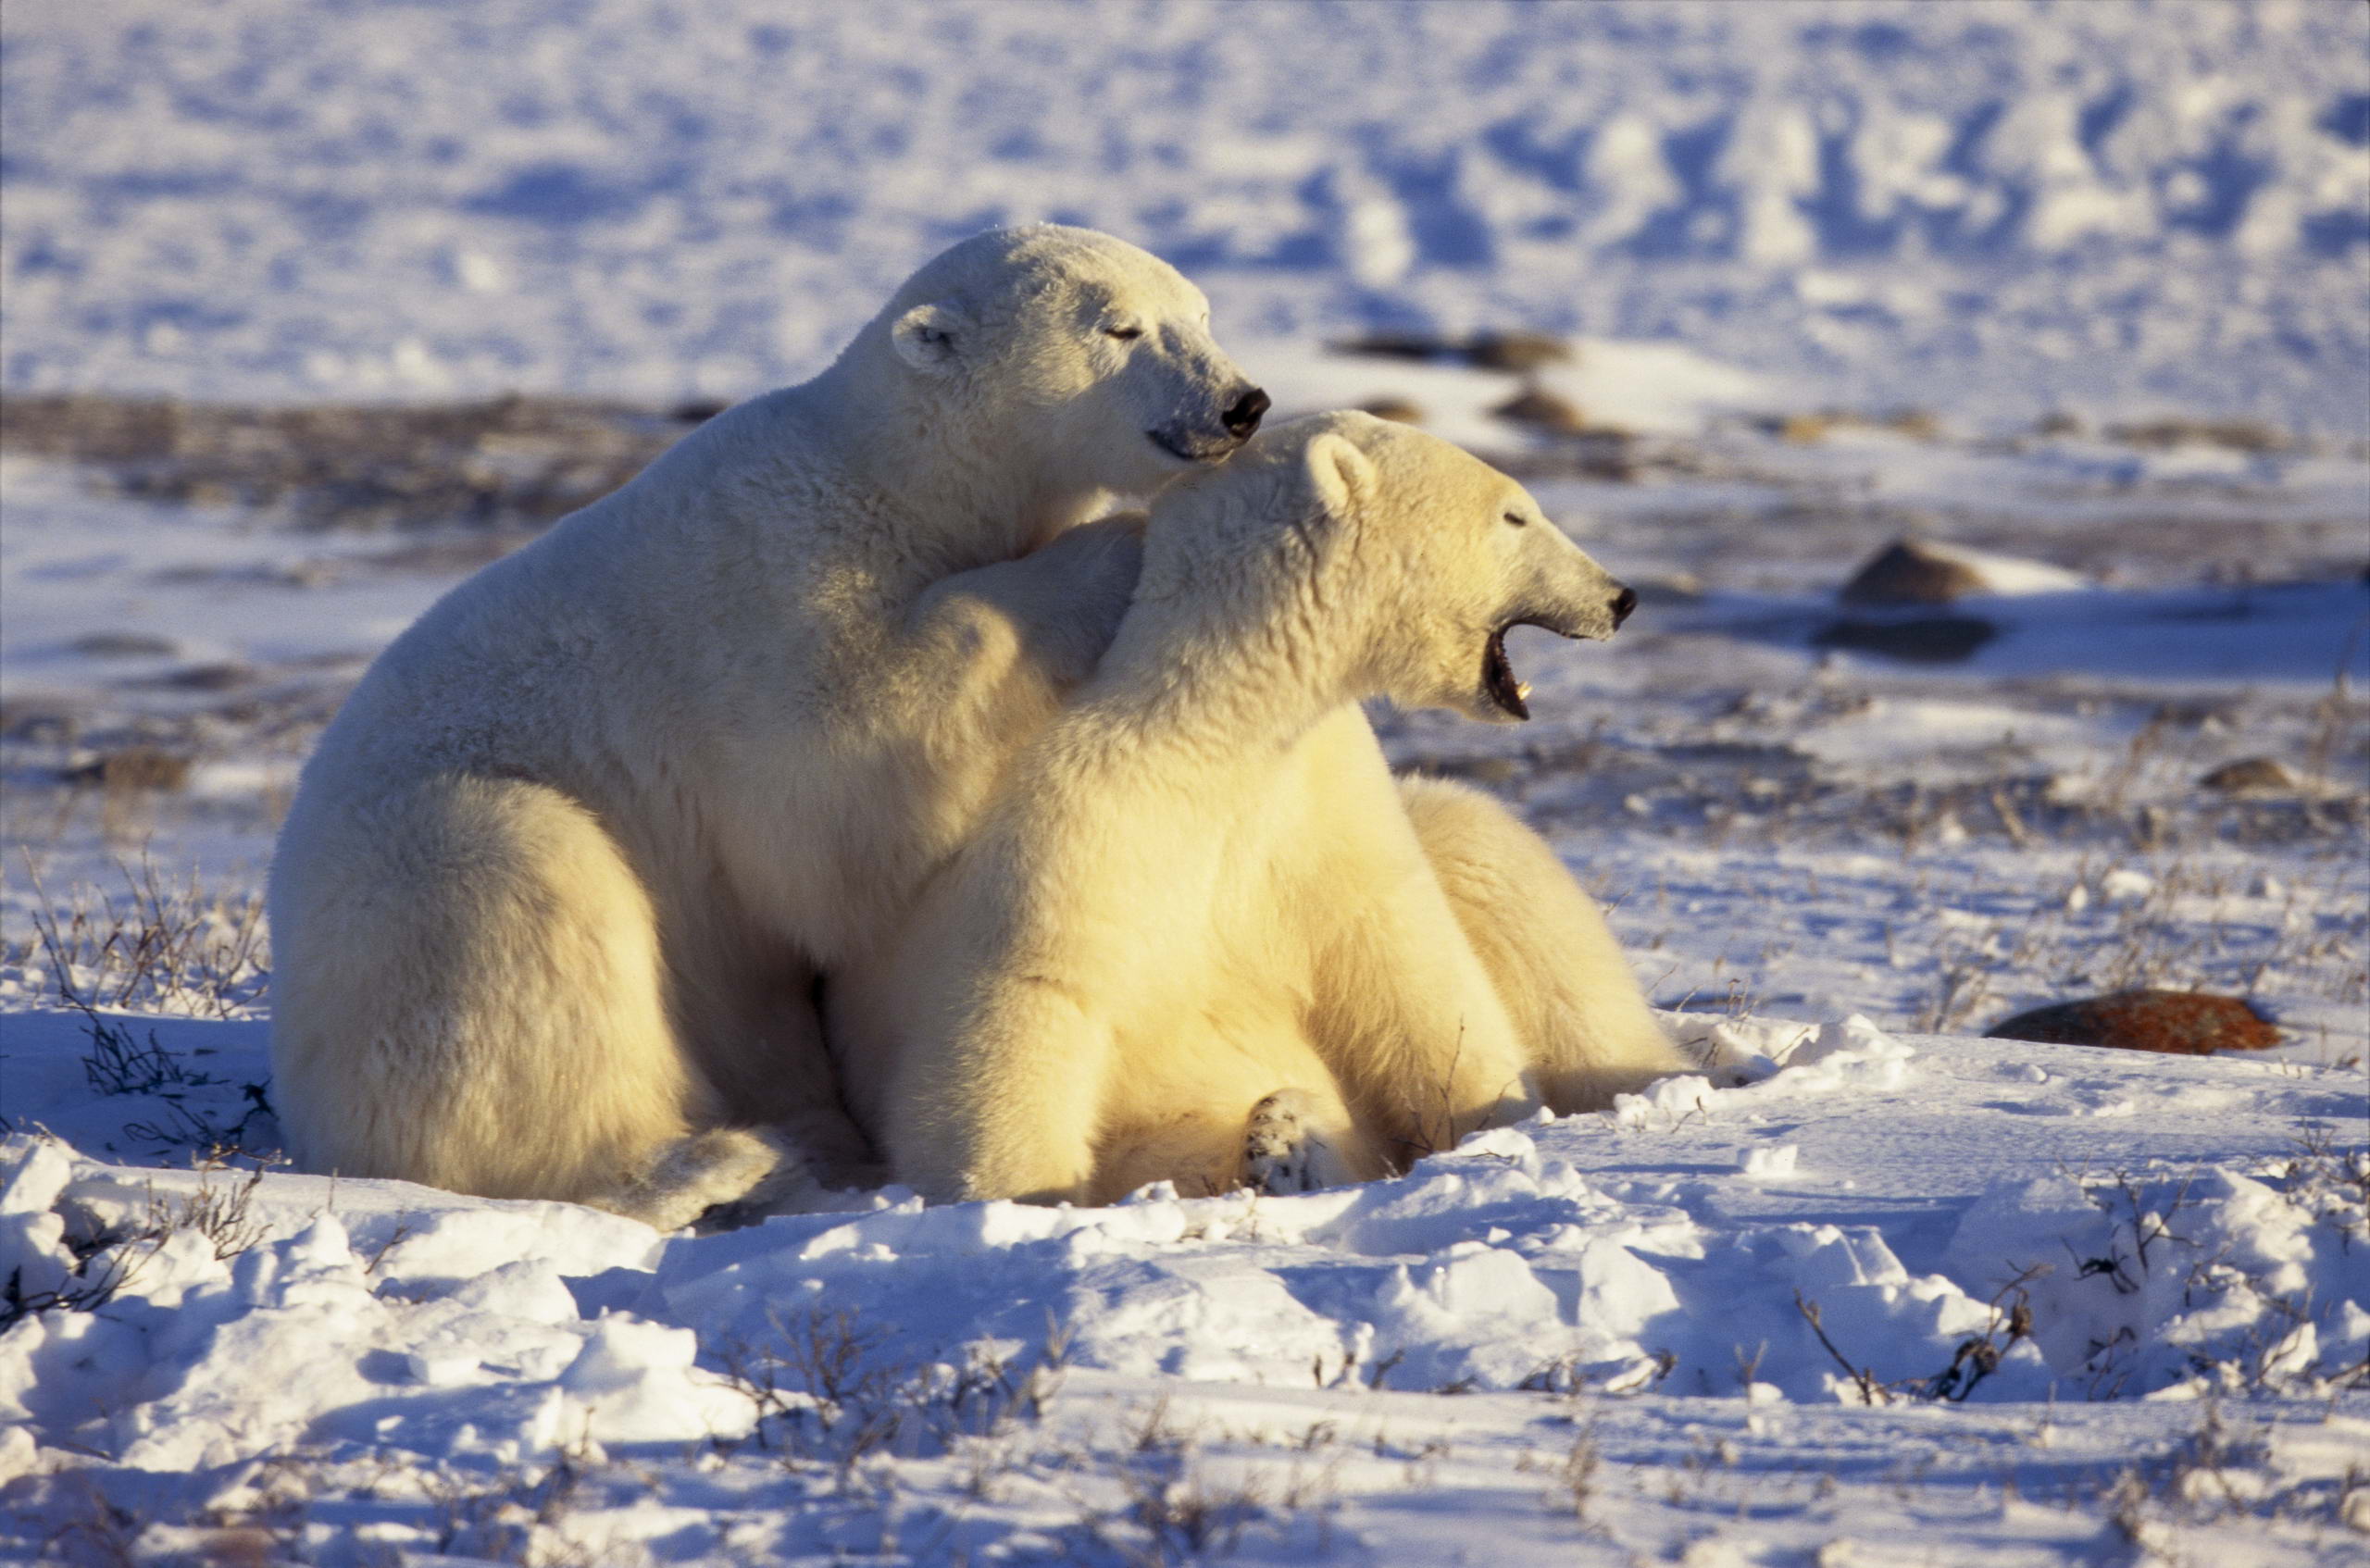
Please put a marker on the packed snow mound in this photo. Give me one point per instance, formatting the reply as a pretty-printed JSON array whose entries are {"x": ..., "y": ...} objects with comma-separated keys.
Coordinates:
[
  {"x": 183, "y": 1320},
  {"x": 1815, "y": 1245},
  {"x": 2160, "y": 202}
]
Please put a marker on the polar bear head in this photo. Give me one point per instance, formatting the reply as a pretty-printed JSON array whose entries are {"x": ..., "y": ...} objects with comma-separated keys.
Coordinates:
[
  {"x": 1397, "y": 561},
  {"x": 1066, "y": 357}
]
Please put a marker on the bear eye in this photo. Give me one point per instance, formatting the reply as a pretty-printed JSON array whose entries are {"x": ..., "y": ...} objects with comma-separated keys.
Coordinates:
[
  {"x": 1517, "y": 519},
  {"x": 1123, "y": 333}
]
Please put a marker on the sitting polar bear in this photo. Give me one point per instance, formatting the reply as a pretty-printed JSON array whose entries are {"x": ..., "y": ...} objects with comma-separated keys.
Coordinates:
[
  {"x": 551, "y": 904},
  {"x": 1204, "y": 936}
]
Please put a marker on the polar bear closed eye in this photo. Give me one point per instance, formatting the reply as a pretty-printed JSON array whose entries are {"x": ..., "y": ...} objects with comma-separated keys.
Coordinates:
[
  {"x": 556, "y": 887},
  {"x": 1203, "y": 934}
]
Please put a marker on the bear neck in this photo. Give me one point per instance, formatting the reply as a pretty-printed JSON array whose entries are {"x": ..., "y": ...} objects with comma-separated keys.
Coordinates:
[
  {"x": 1247, "y": 666},
  {"x": 958, "y": 499}
]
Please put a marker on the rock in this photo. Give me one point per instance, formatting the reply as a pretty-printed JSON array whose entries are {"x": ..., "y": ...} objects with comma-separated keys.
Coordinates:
[
  {"x": 203, "y": 677},
  {"x": 2249, "y": 776},
  {"x": 1519, "y": 354},
  {"x": 124, "y": 645},
  {"x": 133, "y": 767},
  {"x": 2234, "y": 435},
  {"x": 1543, "y": 410},
  {"x": 2176, "y": 1023},
  {"x": 1911, "y": 571},
  {"x": 1927, "y": 640},
  {"x": 1919, "y": 571},
  {"x": 2060, "y": 422},
  {"x": 1398, "y": 345},
  {"x": 1396, "y": 409},
  {"x": 697, "y": 410}
]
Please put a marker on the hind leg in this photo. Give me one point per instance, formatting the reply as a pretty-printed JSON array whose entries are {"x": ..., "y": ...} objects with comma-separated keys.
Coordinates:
[
  {"x": 1545, "y": 943},
  {"x": 469, "y": 994}
]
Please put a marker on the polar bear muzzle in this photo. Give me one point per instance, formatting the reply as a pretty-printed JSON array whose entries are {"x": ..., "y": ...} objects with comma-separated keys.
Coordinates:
[
  {"x": 1240, "y": 420},
  {"x": 1498, "y": 671}
]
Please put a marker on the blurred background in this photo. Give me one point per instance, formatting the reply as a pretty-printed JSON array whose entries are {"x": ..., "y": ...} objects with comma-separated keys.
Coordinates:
[
  {"x": 1976, "y": 391},
  {"x": 2023, "y": 206}
]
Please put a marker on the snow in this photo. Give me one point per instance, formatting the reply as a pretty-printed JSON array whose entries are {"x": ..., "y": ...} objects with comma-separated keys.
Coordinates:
[
  {"x": 1859, "y": 1287},
  {"x": 1875, "y": 202},
  {"x": 1640, "y": 1276},
  {"x": 1573, "y": 1337}
]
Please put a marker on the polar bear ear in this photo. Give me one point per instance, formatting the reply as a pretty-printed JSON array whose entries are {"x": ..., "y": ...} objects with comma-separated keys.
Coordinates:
[
  {"x": 1343, "y": 477},
  {"x": 929, "y": 337}
]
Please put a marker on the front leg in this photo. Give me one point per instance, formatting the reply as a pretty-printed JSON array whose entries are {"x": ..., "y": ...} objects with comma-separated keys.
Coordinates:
[
  {"x": 1412, "y": 1027},
  {"x": 1456, "y": 1063},
  {"x": 1048, "y": 616},
  {"x": 987, "y": 660},
  {"x": 1006, "y": 1105},
  {"x": 1299, "y": 1140},
  {"x": 1405, "y": 1014}
]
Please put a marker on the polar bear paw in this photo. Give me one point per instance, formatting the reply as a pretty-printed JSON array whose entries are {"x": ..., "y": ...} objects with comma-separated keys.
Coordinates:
[
  {"x": 1284, "y": 1151},
  {"x": 717, "y": 1177}
]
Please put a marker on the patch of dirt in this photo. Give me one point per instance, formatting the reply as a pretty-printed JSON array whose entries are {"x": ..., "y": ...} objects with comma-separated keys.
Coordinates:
[
  {"x": 515, "y": 462},
  {"x": 2175, "y": 1023}
]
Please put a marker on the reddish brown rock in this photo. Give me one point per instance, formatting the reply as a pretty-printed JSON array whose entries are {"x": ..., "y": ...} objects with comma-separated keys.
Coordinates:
[{"x": 2177, "y": 1023}]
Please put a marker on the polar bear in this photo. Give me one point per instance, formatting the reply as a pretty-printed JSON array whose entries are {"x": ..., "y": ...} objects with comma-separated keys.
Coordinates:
[
  {"x": 1203, "y": 934},
  {"x": 552, "y": 900}
]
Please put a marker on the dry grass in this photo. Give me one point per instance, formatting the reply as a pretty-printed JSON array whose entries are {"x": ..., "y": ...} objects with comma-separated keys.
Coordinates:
[
  {"x": 109, "y": 1262},
  {"x": 825, "y": 1395},
  {"x": 154, "y": 944}
]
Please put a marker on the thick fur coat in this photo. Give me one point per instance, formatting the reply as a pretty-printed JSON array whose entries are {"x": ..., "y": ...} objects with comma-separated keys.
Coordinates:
[
  {"x": 1205, "y": 935},
  {"x": 556, "y": 891}
]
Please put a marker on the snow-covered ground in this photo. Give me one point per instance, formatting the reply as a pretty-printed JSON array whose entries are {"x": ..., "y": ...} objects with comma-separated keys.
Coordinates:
[
  {"x": 1885, "y": 1301},
  {"x": 2026, "y": 205},
  {"x": 1586, "y": 1340},
  {"x": 1867, "y": 1290}
]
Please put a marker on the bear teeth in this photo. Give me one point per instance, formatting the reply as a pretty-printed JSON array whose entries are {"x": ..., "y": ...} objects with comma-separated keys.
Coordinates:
[{"x": 1522, "y": 690}]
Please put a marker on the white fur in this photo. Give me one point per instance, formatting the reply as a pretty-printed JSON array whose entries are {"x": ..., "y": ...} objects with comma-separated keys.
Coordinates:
[
  {"x": 1203, "y": 921},
  {"x": 552, "y": 900}
]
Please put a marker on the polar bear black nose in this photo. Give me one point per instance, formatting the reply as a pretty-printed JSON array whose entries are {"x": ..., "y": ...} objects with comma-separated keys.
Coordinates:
[
  {"x": 1623, "y": 603},
  {"x": 1242, "y": 417}
]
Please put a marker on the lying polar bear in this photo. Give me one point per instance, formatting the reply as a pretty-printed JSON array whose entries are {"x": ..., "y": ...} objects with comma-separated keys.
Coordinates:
[
  {"x": 1204, "y": 936},
  {"x": 551, "y": 902}
]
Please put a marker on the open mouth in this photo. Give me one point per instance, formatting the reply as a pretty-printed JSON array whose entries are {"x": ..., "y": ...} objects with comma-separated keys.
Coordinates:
[{"x": 1498, "y": 674}]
